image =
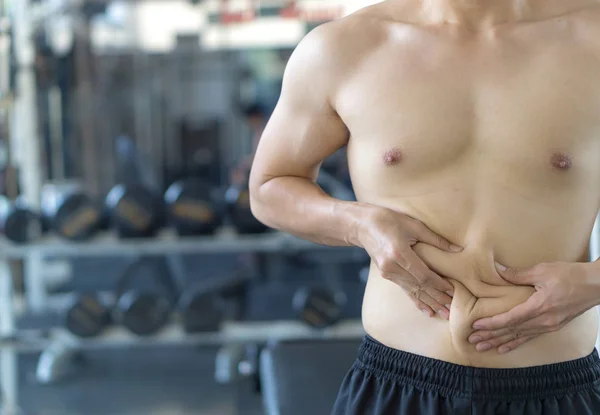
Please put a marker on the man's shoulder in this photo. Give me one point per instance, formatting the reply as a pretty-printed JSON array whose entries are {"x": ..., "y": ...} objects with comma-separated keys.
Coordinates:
[
  {"x": 335, "y": 50},
  {"x": 355, "y": 36},
  {"x": 362, "y": 29}
]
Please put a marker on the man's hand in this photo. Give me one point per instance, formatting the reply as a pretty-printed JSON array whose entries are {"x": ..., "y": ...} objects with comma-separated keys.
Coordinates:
[
  {"x": 388, "y": 237},
  {"x": 562, "y": 294}
]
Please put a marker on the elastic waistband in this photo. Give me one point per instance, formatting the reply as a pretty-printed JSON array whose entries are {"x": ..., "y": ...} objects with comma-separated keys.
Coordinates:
[{"x": 450, "y": 379}]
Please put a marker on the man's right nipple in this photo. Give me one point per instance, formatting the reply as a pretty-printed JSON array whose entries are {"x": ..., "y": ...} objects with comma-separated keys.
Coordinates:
[{"x": 392, "y": 157}]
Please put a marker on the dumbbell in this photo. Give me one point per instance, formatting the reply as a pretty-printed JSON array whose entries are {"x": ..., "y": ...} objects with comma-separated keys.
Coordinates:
[
  {"x": 201, "y": 310},
  {"x": 134, "y": 211},
  {"x": 146, "y": 295},
  {"x": 191, "y": 207},
  {"x": 207, "y": 304},
  {"x": 237, "y": 199},
  {"x": 318, "y": 307},
  {"x": 69, "y": 211},
  {"x": 87, "y": 316},
  {"x": 18, "y": 223}
]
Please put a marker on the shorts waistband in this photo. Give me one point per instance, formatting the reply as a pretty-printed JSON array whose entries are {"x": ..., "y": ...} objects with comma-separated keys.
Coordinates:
[{"x": 449, "y": 379}]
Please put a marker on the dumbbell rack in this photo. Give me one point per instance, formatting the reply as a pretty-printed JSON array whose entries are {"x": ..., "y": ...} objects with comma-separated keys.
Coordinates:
[{"x": 13, "y": 340}]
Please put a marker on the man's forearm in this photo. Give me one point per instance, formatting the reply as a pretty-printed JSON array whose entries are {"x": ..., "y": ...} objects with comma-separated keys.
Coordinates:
[
  {"x": 298, "y": 206},
  {"x": 592, "y": 280}
]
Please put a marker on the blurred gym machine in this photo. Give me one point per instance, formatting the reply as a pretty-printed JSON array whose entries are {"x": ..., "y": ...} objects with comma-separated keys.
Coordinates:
[{"x": 200, "y": 151}]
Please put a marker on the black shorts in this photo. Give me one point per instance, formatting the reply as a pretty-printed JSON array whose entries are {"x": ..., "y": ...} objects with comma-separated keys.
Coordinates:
[{"x": 385, "y": 381}]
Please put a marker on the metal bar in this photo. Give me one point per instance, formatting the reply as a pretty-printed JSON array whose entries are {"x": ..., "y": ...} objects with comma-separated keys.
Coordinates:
[
  {"x": 25, "y": 132},
  {"x": 167, "y": 244},
  {"x": 173, "y": 334},
  {"x": 4, "y": 56},
  {"x": 56, "y": 133},
  {"x": 86, "y": 104},
  {"x": 8, "y": 353},
  {"x": 35, "y": 286}
]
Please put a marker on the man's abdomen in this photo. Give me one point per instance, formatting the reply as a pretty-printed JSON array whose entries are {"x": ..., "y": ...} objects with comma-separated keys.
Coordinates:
[{"x": 392, "y": 318}]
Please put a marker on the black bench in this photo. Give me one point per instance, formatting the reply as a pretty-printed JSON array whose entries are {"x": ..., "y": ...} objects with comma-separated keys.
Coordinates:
[{"x": 304, "y": 377}]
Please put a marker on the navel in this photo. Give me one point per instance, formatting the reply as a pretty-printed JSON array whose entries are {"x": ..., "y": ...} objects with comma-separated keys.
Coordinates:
[
  {"x": 392, "y": 157},
  {"x": 561, "y": 161}
]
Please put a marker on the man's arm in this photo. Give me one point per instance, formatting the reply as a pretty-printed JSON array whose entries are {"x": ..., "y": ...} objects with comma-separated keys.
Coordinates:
[{"x": 304, "y": 130}]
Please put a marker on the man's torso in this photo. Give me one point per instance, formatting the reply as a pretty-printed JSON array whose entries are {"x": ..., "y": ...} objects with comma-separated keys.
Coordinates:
[{"x": 491, "y": 139}]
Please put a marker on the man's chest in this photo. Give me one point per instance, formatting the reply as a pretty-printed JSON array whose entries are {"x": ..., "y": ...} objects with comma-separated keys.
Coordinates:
[{"x": 528, "y": 106}]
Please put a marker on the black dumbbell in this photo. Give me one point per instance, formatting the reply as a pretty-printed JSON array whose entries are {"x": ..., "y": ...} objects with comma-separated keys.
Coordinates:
[
  {"x": 69, "y": 212},
  {"x": 134, "y": 211},
  {"x": 191, "y": 207},
  {"x": 201, "y": 310},
  {"x": 146, "y": 296},
  {"x": 319, "y": 307},
  {"x": 18, "y": 223},
  {"x": 237, "y": 199},
  {"x": 87, "y": 316},
  {"x": 208, "y": 303}
]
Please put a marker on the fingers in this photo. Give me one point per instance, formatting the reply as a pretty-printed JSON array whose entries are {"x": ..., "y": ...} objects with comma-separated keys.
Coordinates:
[
  {"x": 481, "y": 336},
  {"x": 424, "y": 308},
  {"x": 497, "y": 340},
  {"x": 518, "y": 315},
  {"x": 440, "y": 310},
  {"x": 427, "y": 299},
  {"x": 504, "y": 343},
  {"x": 534, "y": 327},
  {"x": 426, "y": 235},
  {"x": 516, "y": 276},
  {"x": 514, "y": 344},
  {"x": 415, "y": 266},
  {"x": 439, "y": 297}
]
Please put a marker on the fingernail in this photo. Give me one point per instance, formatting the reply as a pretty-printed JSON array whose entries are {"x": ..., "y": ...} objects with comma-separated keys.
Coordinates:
[
  {"x": 450, "y": 293},
  {"x": 504, "y": 349},
  {"x": 455, "y": 248},
  {"x": 478, "y": 326},
  {"x": 475, "y": 339},
  {"x": 426, "y": 312},
  {"x": 444, "y": 313},
  {"x": 500, "y": 267},
  {"x": 448, "y": 306},
  {"x": 484, "y": 347}
]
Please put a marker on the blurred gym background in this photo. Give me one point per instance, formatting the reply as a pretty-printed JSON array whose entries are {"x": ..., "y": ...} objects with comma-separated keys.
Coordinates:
[{"x": 133, "y": 277}]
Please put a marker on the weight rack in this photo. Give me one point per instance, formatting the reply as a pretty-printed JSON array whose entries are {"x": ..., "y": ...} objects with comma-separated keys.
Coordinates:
[{"x": 14, "y": 341}]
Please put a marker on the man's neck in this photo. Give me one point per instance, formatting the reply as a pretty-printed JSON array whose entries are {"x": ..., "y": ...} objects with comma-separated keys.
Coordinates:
[{"x": 477, "y": 14}]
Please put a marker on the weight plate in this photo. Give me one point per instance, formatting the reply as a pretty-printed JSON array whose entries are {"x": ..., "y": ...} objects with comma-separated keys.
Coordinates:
[
  {"x": 143, "y": 313},
  {"x": 201, "y": 312},
  {"x": 134, "y": 211},
  {"x": 190, "y": 207},
  {"x": 87, "y": 316},
  {"x": 76, "y": 218},
  {"x": 19, "y": 225}
]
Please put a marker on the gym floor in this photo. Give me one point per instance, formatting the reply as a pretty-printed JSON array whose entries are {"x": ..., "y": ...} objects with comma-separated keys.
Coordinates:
[{"x": 178, "y": 381}]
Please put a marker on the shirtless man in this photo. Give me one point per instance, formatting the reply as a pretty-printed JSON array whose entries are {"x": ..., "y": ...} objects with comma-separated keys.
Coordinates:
[{"x": 473, "y": 137}]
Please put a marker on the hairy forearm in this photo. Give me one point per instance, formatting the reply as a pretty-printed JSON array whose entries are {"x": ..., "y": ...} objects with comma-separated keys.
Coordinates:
[{"x": 298, "y": 206}]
